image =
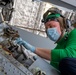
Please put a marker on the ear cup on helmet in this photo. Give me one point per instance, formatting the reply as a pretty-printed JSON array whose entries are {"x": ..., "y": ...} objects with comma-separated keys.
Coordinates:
[{"x": 67, "y": 23}]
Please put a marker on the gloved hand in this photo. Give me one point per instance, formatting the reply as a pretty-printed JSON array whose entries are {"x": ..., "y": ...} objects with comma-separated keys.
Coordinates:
[{"x": 25, "y": 44}]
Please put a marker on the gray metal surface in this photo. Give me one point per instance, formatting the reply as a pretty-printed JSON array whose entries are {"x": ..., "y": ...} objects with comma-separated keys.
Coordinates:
[
  {"x": 44, "y": 66},
  {"x": 9, "y": 66}
]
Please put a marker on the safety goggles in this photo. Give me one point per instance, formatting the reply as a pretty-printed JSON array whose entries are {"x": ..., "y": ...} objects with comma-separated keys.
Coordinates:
[{"x": 50, "y": 19}]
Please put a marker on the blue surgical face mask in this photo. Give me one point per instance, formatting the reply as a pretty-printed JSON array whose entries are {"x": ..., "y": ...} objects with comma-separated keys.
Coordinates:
[{"x": 53, "y": 34}]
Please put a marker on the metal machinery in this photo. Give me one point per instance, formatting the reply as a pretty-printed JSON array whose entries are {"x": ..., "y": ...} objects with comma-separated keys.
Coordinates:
[{"x": 14, "y": 58}]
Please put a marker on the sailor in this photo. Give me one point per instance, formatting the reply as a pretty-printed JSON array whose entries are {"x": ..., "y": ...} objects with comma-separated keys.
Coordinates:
[{"x": 57, "y": 29}]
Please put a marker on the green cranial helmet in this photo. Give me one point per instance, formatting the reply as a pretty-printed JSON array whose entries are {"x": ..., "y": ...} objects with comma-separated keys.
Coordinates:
[{"x": 52, "y": 10}]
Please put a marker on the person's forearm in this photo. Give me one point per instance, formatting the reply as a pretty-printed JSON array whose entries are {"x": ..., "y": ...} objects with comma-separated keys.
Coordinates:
[{"x": 44, "y": 53}]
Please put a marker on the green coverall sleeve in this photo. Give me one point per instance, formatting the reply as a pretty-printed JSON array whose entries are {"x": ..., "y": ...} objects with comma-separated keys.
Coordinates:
[{"x": 69, "y": 50}]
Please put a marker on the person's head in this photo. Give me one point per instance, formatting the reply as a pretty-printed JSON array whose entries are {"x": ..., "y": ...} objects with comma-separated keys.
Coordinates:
[{"x": 54, "y": 23}]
